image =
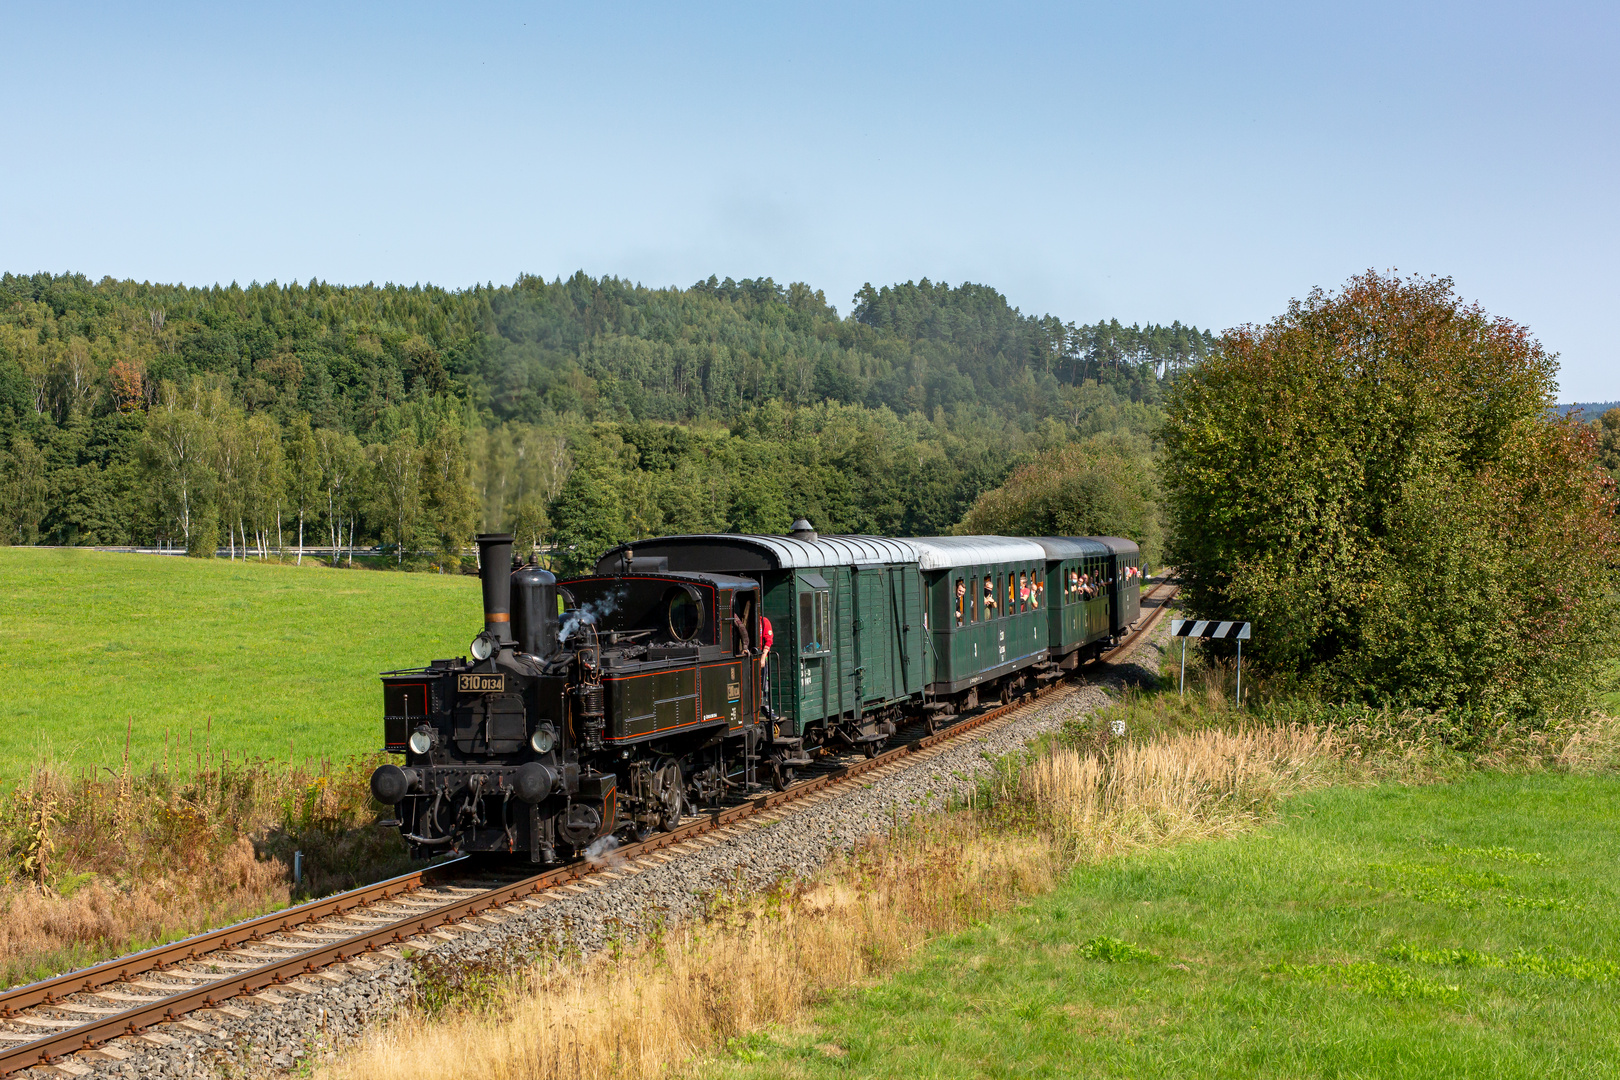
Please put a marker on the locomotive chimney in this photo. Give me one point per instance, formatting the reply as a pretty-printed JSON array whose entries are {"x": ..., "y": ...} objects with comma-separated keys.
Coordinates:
[{"x": 495, "y": 573}]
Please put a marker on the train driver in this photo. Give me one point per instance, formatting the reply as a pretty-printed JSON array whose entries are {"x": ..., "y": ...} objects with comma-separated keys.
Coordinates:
[{"x": 766, "y": 639}]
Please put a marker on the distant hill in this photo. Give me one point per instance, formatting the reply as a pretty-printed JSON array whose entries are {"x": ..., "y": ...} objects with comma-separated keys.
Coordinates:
[{"x": 1590, "y": 410}]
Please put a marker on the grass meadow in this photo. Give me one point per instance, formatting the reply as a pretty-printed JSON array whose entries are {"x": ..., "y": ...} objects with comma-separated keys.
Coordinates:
[
  {"x": 1460, "y": 929},
  {"x": 256, "y": 659}
]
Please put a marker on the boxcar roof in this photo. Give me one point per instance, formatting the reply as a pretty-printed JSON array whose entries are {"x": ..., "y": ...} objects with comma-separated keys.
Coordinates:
[
  {"x": 745, "y": 551},
  {"x": 1072, "y": 547},
  {"x": 943, "y": 552}
]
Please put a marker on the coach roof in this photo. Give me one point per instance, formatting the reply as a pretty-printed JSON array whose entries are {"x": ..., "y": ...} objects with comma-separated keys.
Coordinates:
[
  {"x": 943, "y": 552},
  {"x": 1118, "y": 545},
  {"x": 1072, "y": 547}
]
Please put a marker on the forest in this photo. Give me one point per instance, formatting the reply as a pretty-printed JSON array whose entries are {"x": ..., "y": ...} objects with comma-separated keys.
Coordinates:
[{"x": 576, "y": 413}]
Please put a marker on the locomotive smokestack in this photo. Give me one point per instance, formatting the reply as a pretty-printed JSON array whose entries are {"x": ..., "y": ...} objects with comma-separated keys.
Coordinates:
[{"x": 495, "y": 572}]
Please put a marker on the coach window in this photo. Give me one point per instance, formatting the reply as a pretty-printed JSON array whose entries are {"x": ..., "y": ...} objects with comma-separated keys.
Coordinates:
[
  {"x": 989, "y": 597},
  {"x": 814, "y": 610},
  {"x": 960, "y": 593},
  {"x": 813, "y": 621},
  {"x": 1012, "y": 595}
]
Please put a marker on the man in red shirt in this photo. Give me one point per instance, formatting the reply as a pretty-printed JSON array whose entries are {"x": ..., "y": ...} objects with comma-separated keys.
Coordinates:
[{"x": 766, "y": 639}]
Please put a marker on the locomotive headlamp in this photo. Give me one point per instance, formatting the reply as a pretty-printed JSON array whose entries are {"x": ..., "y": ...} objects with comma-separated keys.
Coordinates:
[
  {"x": 483, "y": 646},
  {"x": 543, "y": 739},
  {"x": 420, "y": 742}
]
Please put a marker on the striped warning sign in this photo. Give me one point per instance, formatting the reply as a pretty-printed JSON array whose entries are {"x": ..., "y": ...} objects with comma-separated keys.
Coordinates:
[{"x": 1209, "y": 628}]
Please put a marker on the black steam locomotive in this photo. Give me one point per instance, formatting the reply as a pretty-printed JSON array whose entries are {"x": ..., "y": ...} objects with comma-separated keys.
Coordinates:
[{"x": 615, "y": 703}]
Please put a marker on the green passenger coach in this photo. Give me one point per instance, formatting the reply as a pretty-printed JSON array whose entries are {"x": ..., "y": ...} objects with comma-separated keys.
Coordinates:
[
  {"x": 1080, "y": 616},
  {"x": 985, "y": 607}
]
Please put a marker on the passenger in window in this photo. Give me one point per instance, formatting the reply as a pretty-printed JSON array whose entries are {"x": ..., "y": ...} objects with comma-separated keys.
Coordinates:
[
  {"x": 989, "y": 597},
  {"x": 961, "y": 599},
  {"x": 1023, "y": 592}
]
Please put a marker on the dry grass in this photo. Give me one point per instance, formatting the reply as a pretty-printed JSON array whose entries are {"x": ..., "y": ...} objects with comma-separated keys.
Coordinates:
[
  {"x": 1187, "y": 786},
  {"x": 98, "y": 865},
  {"x": 764, "y": 961},
  {"x": 757, "y": 961}
]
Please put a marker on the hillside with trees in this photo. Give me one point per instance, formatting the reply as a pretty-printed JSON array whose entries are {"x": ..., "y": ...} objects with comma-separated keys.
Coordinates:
[{"x": 578, "y": 412}]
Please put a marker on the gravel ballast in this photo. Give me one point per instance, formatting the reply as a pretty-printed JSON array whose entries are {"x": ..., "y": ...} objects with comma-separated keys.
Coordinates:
[{"x": 322, "y": 1011}]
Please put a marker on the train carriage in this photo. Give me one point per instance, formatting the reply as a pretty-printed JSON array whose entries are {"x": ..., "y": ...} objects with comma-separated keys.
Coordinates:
[
  {"x": 1124, "y": 584},
  {"x": 986, "y": 600},
  {"x": 1079, "y": 614}
]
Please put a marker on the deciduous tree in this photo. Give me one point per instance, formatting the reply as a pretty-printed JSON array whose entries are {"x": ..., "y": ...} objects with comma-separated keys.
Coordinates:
[{"x": 1371, "y": 479}]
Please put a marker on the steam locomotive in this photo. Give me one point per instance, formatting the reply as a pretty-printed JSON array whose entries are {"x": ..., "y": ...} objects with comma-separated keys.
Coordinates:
[{"x": 615, "y": 703}]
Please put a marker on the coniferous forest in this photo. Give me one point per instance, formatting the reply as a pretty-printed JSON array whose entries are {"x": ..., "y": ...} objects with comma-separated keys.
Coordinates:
[{"x": 576, "y": 413}]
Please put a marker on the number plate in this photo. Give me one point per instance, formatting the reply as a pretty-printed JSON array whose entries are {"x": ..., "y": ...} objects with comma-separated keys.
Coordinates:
[
  {"x": 733, "y": 691},
  {"x": 481, "y": 684}
]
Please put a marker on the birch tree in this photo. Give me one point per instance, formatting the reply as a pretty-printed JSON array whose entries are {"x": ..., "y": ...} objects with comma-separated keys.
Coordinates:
[
  {"x": 397, "y": 488},
  {"x": 303, "y": 475}
]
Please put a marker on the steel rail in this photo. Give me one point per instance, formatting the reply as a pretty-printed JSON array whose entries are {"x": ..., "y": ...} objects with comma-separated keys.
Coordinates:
[
  {"x": 133, "y": 1021},
  {"x": 86, "y": 980}
]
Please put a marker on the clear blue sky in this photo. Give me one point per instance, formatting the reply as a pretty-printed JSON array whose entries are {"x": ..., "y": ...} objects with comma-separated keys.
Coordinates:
[{"x": 1150, "y": 162}]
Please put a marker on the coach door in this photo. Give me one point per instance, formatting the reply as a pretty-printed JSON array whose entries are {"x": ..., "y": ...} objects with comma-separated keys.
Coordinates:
[{"x": 872, "y": 670}]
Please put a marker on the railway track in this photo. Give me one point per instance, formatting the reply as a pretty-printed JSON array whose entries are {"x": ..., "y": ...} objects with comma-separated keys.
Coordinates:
[{"x": 266, "y": 959}]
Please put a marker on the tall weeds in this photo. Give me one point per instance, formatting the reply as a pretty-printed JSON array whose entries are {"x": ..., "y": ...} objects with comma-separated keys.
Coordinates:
[
  {"x": 94, "y": 864},
  {"x": 1186, "y": 786}
]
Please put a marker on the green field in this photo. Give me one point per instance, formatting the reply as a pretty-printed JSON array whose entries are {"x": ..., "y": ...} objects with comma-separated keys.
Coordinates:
[
  {"x": 1458, "y": 930},
  {"x": 283, "y": 660}
]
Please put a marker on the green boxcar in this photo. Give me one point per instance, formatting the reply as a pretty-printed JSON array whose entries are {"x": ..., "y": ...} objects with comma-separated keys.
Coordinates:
[{"x": 846, "y": 613}]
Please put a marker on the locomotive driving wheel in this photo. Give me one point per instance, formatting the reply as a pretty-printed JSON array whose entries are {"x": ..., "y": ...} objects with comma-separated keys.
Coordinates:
[{"x": 667, "y": 793}]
